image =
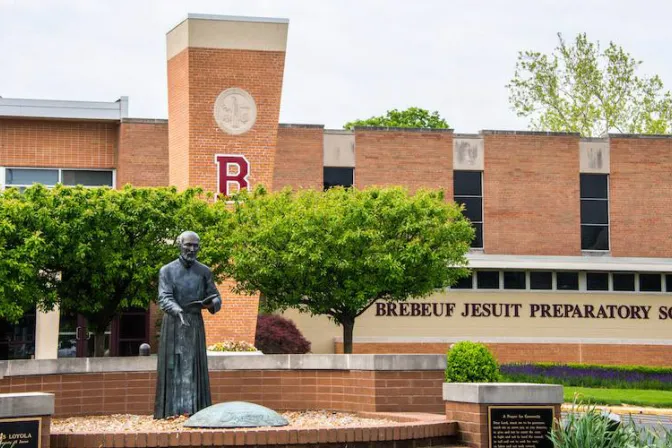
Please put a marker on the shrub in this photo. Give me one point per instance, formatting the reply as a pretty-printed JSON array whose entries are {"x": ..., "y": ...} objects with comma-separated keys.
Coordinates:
[
  {"x": 588, "y": 427},
  {"x": 471, "y": 362},
  {"x": 232, "y": 346},
  {"x": 278, "y": 335}
]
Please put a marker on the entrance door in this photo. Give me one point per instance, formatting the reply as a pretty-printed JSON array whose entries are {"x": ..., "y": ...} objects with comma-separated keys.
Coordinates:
[{"x": 122, "y": 338}]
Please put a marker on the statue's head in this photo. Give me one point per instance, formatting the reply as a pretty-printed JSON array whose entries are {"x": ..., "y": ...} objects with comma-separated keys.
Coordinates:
[{"x": 189, "y": 243}]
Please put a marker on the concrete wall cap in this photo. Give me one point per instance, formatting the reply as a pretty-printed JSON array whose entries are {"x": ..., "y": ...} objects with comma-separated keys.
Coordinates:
[
  {"x": 383, "y": 362},
  {"x": 26, "y": 404},
  {"x": 397, "y": 129},
  {"x": 532, "y": 133},
  {"x": 503, "y": 393}
]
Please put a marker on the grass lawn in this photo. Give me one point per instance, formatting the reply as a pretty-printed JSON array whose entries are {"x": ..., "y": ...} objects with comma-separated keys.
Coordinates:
[{"x": 636, "y": 397}]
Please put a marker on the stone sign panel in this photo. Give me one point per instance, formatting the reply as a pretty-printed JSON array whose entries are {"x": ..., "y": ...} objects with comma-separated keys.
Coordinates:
[
  {"x": 20, "y": 433},
  {"x": 520, "y": 426}
]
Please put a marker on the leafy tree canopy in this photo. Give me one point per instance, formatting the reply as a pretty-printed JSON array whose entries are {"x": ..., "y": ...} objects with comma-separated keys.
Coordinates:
[
  {"x": 581, "y": 88},
  {"x": 336, "y": 253},
  {"x": 413, "y": 117},
  {"x": 106, "y": 246},
  {"x": 22, "y": 256}
]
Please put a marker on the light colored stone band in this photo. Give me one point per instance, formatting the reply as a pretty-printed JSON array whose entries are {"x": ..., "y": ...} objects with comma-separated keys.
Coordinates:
[
  {"x": 501, "y": 340},
  {"x": 224, "y": 32},
  {"x": 218, "y": 363},
  {"x": 503, "y": 393},
  {"x": 26, "y": 404}
]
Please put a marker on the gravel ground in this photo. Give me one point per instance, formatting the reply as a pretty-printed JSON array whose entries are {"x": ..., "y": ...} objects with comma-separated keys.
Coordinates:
[{"x": 145, "y": 423}]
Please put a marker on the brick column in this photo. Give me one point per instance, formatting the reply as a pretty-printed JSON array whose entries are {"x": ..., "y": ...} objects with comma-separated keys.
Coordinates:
[
  {"x": 224, "y": 85},
  {"x": 468, "y": 405}
]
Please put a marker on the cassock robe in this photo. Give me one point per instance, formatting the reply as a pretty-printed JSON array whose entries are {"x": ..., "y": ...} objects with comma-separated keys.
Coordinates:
[{"x": 182, "y": 383}]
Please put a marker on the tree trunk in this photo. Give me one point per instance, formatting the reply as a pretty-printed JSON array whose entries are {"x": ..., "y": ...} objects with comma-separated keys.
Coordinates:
[
  {"x": 348, "y": 327},
  {"x": 99, "y": 344}
]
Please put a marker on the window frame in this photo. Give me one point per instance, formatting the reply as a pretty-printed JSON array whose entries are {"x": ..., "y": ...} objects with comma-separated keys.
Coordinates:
[
  {"x": 352, "y": 168},
  {"x": 481, "y": 197},
  {"x": 607, "y": 225},
  {"x": 3, "y": 175}
]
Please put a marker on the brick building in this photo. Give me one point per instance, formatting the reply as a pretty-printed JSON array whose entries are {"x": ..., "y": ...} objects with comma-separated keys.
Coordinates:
[{"x": 572, "y": 260}]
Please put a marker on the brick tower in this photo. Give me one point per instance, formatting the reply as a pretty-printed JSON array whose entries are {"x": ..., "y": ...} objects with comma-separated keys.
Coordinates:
[{"x": 224, "y": 85}]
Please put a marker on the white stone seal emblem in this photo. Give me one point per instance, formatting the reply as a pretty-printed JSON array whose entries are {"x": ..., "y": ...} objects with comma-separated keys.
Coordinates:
[{"x": 235, "y": 111}]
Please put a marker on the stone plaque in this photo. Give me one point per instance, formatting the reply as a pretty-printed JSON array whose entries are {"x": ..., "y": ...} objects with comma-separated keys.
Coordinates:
[
  {"x": 468, "y": 154},
  {"x": 235, "y": 111},
  {"x": 21, "y": 432},
  {"x": 520, "y": 426}
]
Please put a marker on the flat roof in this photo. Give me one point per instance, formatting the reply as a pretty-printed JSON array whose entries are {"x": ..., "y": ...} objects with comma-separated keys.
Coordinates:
[
  {"x": 571, "y": 263},
  {"x": 61, "y": 109}
]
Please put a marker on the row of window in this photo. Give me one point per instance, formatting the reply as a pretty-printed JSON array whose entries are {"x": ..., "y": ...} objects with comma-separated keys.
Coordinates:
[
  {"x": 23, "y": 178},
  {"x": 468, "y": 190},
  {"x": 594, "y": 197},
  {"x": 566, "y": 281}
]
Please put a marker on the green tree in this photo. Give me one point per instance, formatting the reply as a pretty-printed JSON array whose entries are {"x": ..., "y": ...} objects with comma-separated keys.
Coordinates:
[
  {"x": 106, "y": 246},
  {"x": 23, "y": 283},
  {"x": 336, "y": 253},
  {"x": 581, "y": 88},
  {"x": 413, "y": 117}
]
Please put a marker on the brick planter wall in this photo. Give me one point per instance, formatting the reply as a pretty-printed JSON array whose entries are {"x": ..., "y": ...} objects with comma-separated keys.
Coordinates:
[{"x": 267, "y": 380}]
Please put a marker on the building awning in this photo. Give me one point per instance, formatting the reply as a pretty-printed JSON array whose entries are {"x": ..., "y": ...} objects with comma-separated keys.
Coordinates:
[
  {"x": 570, "y": 263},
  {"x": 56, "y": 109}
]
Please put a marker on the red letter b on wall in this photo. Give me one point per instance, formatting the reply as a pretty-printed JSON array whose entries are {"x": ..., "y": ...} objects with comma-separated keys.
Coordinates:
[{"x": 225, "y": 178}]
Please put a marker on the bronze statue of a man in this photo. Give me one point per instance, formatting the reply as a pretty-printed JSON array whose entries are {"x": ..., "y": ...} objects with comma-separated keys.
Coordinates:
[{"x": 185, "y": 288}]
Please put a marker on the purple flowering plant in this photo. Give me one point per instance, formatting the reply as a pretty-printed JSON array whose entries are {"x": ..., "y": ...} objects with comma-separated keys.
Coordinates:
[{"x": 585, "y": 375}]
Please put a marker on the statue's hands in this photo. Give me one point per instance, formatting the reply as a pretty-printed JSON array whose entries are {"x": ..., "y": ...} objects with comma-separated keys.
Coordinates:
[{"x": 181, "y": 315}]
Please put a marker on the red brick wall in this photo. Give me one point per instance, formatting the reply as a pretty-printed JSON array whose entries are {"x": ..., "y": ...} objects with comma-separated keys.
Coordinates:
[
  {"x": 196, "y": 77},
  {"x": 143, "y": 153},
  {"x": 610, "y": 354},
  {"x": 531, "y": 194},
  {"x": 411, "y": 158},
  {"x": 178, "y": 120},
  {"x": 45, "y": 143},
  {"x": 133, "y": 392},
  {"x": 299, "y": 157},
  {"x": 641, "y": 197},
  {"x": 210, "y": 72}
]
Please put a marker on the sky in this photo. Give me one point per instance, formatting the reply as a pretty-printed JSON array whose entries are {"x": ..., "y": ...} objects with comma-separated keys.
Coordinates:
[{"x": 346, "y": 59}]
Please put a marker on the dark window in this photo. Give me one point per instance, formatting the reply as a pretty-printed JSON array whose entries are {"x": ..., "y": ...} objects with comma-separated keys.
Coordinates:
[
  {"x": 473, "y": 208},
  {"x": 132, "y": 332},
  {"x": 467, "y": 190},
  {"x": 15, "y": 176},
  {"x": 668, "y": 283},
  {"x": 467, "y": 183},
  {"x": 597, "y": 281},
  {"x": 478, "y": 235},
  {"x": 333, "y": 177},
  {"x": 17, "y": 340},
  {"x": 87, "y": 178},
  {"x": 464, "y": 283},
  {"x": 568, "y": 280},
  {"x": 623, "y": 282},
  {"x": 594, "y": 186},
  {"x": 514, "y": 280},
  {"x": 487, "y": 279},
  {"x": 594, "y": 212},
  {"x": 541, "y": 280},
  {"x": 595, "y": 237},
  {"x": 650, "y": 282}
]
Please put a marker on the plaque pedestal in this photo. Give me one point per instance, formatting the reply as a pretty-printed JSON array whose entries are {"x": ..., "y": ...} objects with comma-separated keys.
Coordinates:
[
  {"x": 25, "y": 419},
  {"x": 503, "y": 415}
]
